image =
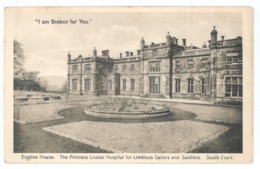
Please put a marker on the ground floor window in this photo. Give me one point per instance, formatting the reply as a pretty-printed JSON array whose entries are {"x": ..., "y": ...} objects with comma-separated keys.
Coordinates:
[
  {"x": 87, "y": 84},
  {"x": 190, "y": 85},
  {"x": 203, "y": 88},
  {"x": 74, "y": 84},
  {"x": 154, "y": 84},
  {"x": 234, "y": 87},
  {"x": 124, "y": 84},
  {"x": 132, "y": 84},
  {"x": 110, "y": 85},
  {"x": 177, "y": 85}
]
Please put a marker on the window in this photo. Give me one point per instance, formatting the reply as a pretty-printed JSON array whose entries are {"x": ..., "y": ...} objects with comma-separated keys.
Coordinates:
[
  {"x": 203, "y": 88},
  {"x": 74, "y": 68},
  {"x": 132, "y": 84},
  {"x": 204, "y": 62},
  {"x": 229, "y": 59},
  {"x": 154, "y": 66},
  {"x": 154, "y": 83},
  {"x": 110, "y": 69},
  {"x": 234, "y": 56},
  {"x": 177, "y": 65},
  {"x": 74, "y": 84},
  {"x": 116, "y": 68},
  {"x": 87, "y": 68},
  {"x": 124, "y": 68},
  {"x": 87, "y": 84},
  {"x": 190, "y": 85},
  {"x": 177, "y": 85},
  {"x": 124, "y": 84},
  {"x": 240, "y": 58},
  {"x": 234, "y": 87},
  {"x": 234, "y": 59},
  {"x": 110, "y": 85},
  {"x": 234, "y": 52},
  {"x": 190, "y": 64},
  {"x": 154, "y": 52},
  {"x": 132, "y": 67}
]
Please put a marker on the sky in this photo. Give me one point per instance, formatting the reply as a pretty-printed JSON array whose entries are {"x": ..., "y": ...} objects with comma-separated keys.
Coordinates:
[{"x": 46, "y": 45}]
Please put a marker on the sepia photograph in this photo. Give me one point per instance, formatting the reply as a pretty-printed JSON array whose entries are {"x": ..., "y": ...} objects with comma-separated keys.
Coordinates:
[{"x": 122, "y": 84}]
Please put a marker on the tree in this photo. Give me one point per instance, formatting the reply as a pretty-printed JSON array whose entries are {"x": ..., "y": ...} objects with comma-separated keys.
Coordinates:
[
  {"x": 28, "y": 85},
  {"x": 43, "y": 83},
  {"x": 25, "y": 80},
  {"x": 31, "y": 75},
  {"x": 18, "y": 59}
]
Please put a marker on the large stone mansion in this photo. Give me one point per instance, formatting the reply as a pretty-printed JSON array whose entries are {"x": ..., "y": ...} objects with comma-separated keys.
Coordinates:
[{"x": 164, "y": 70}]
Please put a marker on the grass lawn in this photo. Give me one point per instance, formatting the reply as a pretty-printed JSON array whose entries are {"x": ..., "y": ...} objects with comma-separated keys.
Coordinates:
[
  {"x": 40, "y": 112},
  {"x": 156, "y": 137},
  {"x": 31, "y": 137}
]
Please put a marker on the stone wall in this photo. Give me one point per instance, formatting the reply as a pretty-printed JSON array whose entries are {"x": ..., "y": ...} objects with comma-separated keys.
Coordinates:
[{"x": 211, "y": 65}]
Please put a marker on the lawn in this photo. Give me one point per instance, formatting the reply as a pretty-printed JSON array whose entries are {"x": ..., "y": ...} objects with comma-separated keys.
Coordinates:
[
  {"x": 37, "y": 113},
  {"x": 156, "y": 137},
  {"x": 188, "y": 128}
]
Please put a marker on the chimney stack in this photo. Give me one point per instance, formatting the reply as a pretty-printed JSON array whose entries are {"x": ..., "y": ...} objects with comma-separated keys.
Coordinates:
[
  {"x": 168, "y": 39},
  {"x": 69, "y": 57},
  {"x": 127, "y": 53},
  {"x": 105, "y": 53},
  {"x": 142, "y": 43},
  {"x": 222, "y": 38},
  {"x": 204, "y": 45},
  {"x": 183, "y": 42},
  {"x": 95, "y": 52},
  {"x": 209, "y": 43},
  {"x": 176, "y": 41},
  {"x": 173, "y": 40}
]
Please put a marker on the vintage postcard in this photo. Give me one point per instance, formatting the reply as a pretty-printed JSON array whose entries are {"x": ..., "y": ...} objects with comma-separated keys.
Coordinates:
[{"x": 128, "y": 85}]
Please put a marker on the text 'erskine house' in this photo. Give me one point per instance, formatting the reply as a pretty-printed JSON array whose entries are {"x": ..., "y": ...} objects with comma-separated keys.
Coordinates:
[{"x": 164, "y": 70}]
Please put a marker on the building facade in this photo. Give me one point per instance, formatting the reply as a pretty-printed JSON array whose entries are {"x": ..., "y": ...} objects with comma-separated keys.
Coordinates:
[{"x": 164, "y": 70}]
